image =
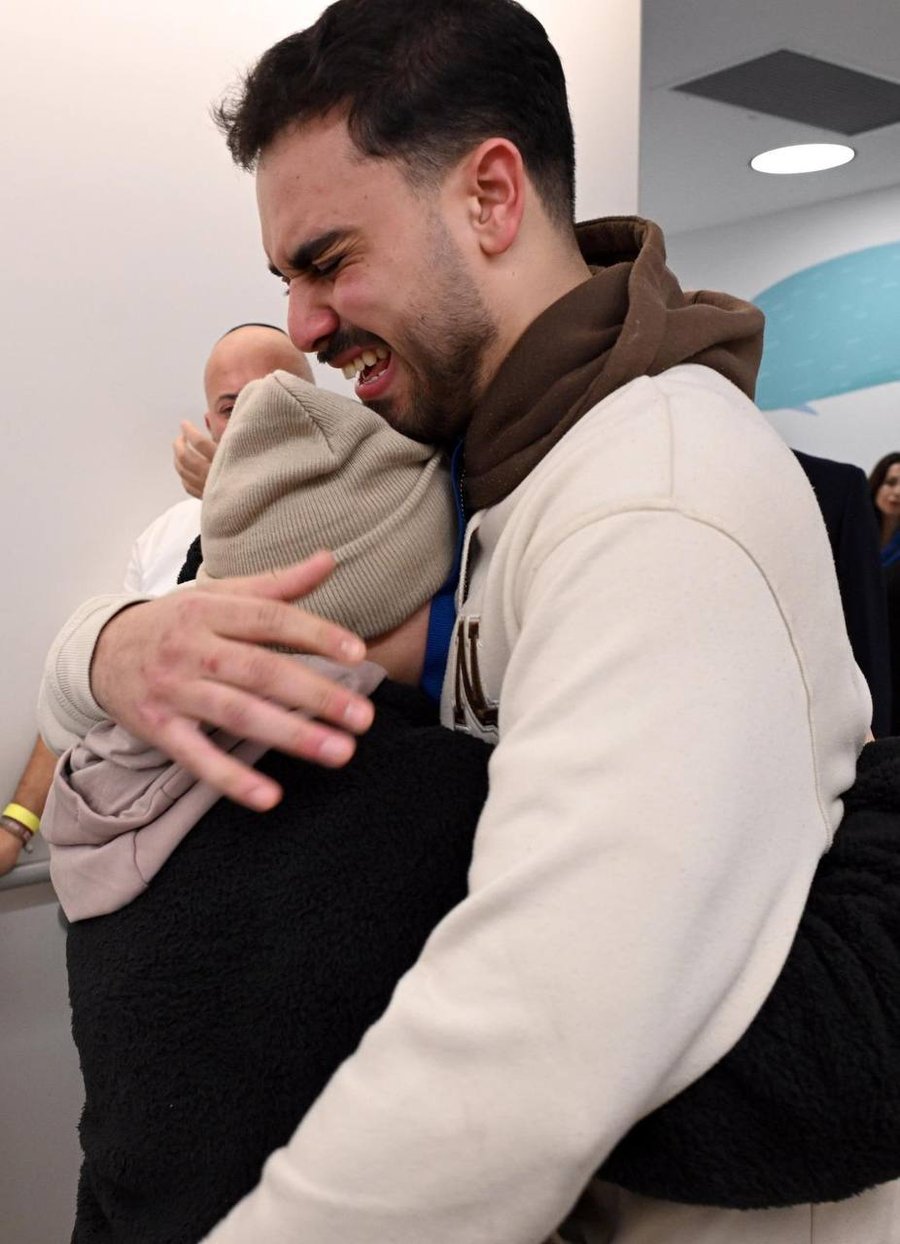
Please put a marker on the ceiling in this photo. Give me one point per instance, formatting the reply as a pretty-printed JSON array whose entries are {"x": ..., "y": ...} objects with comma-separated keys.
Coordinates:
[{"x": 695, "y": 152}]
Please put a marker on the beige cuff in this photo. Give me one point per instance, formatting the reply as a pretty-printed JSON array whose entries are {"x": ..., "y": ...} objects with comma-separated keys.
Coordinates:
[{"x": 66, "y": 706}]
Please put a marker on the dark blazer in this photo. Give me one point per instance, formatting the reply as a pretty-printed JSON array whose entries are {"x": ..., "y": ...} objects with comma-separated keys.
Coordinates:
[
  {"x": 842, "y": 492},
  {"x": 892, "y": 587}
]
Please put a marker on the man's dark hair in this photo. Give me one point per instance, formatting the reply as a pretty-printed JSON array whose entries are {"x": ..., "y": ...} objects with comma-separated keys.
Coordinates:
[{"x": 421, "y": 82}]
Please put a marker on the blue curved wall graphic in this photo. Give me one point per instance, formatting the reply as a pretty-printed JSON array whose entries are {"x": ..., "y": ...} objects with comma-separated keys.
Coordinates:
[{"x": 831, "y": 329}]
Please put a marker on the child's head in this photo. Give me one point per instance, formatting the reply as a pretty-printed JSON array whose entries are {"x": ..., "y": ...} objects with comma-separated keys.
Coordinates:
[{"x": 301, "y": 469}]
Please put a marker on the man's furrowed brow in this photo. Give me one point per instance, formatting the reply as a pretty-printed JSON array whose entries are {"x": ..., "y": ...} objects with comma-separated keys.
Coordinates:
[{"x": 304, "y": 257}]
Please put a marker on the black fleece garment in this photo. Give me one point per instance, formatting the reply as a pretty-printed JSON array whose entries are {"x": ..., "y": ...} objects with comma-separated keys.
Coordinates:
[
  {"x": 193, "y": 560},
  {"x": 211, "y": 1012}
]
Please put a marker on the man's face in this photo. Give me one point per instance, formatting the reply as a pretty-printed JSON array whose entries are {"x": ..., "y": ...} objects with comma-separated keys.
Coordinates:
[
  {"x": 246, "y": 354},
  {"x": 375, "y": 280}
]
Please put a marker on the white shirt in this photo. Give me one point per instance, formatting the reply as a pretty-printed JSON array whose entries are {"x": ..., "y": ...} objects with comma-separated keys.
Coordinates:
[{"x": 158, "y": 553}]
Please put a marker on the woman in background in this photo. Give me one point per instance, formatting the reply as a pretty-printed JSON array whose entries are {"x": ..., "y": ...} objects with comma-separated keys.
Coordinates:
[{"x": 884, "y": 485}]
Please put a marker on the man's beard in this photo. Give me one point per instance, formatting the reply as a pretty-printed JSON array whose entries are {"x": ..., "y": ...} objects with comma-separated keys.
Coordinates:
[
  {"x": 444, "y": 343},
  {"x": 444, "y": 350}
]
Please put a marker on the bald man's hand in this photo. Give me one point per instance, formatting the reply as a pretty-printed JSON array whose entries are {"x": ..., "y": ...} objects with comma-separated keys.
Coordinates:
[
  {"x": 193, "y": 452},
  {"x": 163, "y": 667}
]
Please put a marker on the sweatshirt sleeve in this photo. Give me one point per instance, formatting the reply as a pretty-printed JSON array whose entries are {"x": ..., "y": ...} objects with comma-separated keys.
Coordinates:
[
  {"x": 66, "y": 706},
  {"x": 639, "y": 871}
]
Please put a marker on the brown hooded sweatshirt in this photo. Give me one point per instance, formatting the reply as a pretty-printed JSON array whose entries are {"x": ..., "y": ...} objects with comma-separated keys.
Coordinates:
[{"x": 630, "y": 319}]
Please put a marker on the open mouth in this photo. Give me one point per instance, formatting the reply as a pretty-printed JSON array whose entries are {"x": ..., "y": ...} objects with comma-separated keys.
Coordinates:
[
  {"x": 370, "y": 369},
  {"x": 369, "y": 364}
]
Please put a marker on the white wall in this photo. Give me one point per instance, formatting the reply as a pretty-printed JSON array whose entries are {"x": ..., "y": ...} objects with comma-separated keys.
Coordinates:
[
  {"x": 130, "y": 243},
  {"x": 748, "y": 257}
]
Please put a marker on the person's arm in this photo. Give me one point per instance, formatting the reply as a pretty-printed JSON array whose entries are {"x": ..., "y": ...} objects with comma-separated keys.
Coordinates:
[
  {"x": 159, "y": 667},
  {"x": 30, "y": 794},
  {"x": 192, "y": 453},
  {"x": 639, "y": 871}
]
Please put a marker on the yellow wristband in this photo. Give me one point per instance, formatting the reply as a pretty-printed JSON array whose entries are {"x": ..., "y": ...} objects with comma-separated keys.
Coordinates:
[{"x": 31, "y": 822}]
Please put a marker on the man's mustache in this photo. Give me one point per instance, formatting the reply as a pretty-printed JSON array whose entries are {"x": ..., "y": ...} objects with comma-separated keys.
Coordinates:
[{"x": 349, "y": 338}]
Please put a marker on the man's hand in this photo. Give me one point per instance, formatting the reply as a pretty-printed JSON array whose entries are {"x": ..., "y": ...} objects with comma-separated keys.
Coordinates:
[
  {"x": 193, "y": 452},
  {"x": 162, "y": 667}
]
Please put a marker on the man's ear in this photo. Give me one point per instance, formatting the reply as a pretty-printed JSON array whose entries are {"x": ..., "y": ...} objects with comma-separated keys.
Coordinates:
[
  {"x": 208, "y": 424},
  {"x": 494, "y": 184}
]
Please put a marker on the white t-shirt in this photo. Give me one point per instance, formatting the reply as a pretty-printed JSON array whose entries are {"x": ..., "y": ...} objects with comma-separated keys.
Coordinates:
[{"x": 158, "y": 553}]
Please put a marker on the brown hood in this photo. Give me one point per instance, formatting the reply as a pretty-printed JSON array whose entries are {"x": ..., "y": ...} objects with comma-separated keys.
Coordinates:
[{"x": 630, "y": 319}]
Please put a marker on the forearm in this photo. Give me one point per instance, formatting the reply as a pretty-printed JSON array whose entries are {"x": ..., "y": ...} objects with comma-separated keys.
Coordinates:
[
  {"x": 33, "y": 785},
  {"x": 66, "y": 705},
  {"x": 27, "y": 801}
]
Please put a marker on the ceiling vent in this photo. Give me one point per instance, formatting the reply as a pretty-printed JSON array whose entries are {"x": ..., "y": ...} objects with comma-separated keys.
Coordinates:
[{"x": 802, "y": 88}]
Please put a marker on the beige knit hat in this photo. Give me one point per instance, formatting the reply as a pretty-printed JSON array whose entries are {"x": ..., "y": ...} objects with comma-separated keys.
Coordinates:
[{"x": 300, "y": 469}]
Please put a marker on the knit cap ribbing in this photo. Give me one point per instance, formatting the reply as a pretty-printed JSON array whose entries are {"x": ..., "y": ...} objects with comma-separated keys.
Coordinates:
[{"x": 300, "y": 469}]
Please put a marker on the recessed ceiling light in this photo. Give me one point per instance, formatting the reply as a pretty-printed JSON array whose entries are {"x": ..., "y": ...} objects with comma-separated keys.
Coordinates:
[{"x": 802, "y": 158}]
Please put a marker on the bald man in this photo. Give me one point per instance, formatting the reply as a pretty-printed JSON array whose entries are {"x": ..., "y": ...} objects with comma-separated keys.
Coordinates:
[
  {"x": 244, "y": 353},
  {"x": 247, "y": 352}
]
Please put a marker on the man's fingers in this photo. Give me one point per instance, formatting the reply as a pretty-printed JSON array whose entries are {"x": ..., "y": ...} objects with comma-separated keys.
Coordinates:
[
  {"x": 266, "y": 676},
  {"x": 189, "y": 746},
  {"x": 205, "y": 656},
  {"x": 192, "y": 467},
  {"x": 193, "y": 457},
  {"x": 198, "y": 442},
  {"x": 288, "y": 583},
  {"x": 246, "y": 716},
  {"x": 273, "y": 622},
  {"x": 192, "y": 488}
]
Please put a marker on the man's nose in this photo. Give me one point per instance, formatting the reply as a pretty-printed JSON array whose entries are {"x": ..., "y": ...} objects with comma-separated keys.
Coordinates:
[{"x": 311, "y": 321}]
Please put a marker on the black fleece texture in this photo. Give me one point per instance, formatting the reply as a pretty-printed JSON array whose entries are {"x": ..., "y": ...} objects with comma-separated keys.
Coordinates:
[
  {"x": 193, "y": 560},
  {"x": 211, "y": 1012}
]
